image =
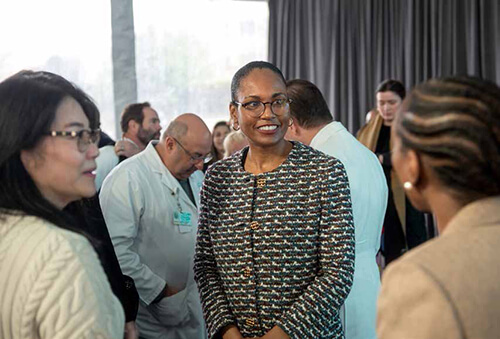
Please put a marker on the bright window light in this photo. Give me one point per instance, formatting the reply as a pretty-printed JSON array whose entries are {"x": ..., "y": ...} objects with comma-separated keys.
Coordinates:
[
  {"x": 187, "y": 52},
  {"x": 70, "y": 38}
]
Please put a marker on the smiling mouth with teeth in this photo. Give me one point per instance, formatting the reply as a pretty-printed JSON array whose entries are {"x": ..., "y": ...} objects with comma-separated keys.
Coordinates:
[{"x": 268, "y": 127}]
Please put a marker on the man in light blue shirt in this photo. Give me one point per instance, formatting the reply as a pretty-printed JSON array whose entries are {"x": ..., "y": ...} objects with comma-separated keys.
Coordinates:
[{"x": 313, "y": 125}]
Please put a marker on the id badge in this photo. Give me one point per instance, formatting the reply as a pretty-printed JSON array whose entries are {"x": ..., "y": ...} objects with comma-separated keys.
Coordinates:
[{"x": 183, "y": 220}]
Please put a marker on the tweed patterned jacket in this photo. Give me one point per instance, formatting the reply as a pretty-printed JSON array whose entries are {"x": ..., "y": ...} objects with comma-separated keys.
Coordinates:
[{"x": 276, "y": 248}]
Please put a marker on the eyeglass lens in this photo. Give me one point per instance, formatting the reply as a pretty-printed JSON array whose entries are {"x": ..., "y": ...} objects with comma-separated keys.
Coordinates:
[{"x": 85, "y": 138}]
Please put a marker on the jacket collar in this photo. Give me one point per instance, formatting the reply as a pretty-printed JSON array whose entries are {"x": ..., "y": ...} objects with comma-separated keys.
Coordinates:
[{"x": 482, "y": 212}]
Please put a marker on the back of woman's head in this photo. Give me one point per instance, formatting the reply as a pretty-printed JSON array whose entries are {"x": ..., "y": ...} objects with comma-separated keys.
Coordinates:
[
  {"x": 28, "y": 104},
  {"x": 455, "y": 123}
]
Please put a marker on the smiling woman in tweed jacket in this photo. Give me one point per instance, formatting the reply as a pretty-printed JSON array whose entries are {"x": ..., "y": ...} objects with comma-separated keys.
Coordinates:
[{"x": 275, "y": 249}]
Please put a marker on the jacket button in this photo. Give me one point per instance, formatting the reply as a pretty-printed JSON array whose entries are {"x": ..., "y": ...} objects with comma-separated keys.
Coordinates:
[
  {"x": 261, "y": 183},
  {"x": 250, "y": 322},
  {"x": 247, "y": 272},
  {"x": 254, "y": 225}
]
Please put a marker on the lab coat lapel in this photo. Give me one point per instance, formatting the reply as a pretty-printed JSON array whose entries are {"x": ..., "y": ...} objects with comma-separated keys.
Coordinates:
[{"x": 174, "y": 186}]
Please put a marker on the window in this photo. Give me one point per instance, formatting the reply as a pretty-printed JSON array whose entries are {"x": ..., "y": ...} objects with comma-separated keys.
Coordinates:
[
  {"x": 70, "y": 38},
  {"x": 188, "y": 51}
]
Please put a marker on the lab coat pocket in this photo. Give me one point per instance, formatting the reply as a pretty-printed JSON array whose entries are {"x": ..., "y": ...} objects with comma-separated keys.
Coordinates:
[{"x": 171, "y": 311}]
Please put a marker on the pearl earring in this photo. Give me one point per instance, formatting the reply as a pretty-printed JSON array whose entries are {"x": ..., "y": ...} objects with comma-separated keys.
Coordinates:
[{"x": 407, "y": 185}]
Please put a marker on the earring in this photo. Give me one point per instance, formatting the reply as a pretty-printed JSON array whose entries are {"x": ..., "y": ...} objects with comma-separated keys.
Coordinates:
[
  {"x": 290, "y": 122},
  {"x": 407, "y": 185},
  {"x": 236, "y": 127}
]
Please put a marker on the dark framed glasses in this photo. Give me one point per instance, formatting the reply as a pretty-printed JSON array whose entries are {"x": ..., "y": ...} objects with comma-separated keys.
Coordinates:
[
  {"x": 195, "y": 158},
  {"x": 255, "y": 108},
  {"x": 84, "y": 137}
]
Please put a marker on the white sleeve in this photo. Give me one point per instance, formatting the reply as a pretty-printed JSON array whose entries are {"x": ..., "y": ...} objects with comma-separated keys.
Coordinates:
[
  {"x": 106, "y": 161},
  {"x": 122, "y": 204}
]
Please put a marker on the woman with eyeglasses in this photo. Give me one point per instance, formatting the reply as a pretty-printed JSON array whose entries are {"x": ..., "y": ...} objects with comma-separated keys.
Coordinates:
[
  {"x": 51, "y": 282},
  {"x": 275, "y": 248},
  {"x": 447, "y": 156}
]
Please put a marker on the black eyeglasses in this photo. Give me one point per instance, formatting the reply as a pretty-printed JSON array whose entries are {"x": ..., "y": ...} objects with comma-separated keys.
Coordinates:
[
  {"x": 195, "y": 158},
  {"x": 84, "y": 137},
  {"x": 255, "y": 108}
]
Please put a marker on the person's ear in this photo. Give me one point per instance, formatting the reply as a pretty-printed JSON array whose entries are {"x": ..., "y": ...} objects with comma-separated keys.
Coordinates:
[
  {"x": 169, "y": 143},
  {"x": 28, "y": 160},
  {"x": 413, "y": 168},
  {"x": 233, "y": 111},
  {"x": 133, "y": 126}
]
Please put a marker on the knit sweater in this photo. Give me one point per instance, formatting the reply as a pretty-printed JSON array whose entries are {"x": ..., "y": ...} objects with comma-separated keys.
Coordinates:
[
  {"x": 276, "y": 248},
  {"x": 52, "y": 284}
]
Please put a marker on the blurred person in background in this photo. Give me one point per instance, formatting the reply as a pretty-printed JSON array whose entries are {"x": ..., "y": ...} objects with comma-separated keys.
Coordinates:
[
  {"x": 219, "y": 134},
  {"x": 140, "y": 124},
  {"x": 404, "y": 226},
  {"x": 234, "y": 142}
]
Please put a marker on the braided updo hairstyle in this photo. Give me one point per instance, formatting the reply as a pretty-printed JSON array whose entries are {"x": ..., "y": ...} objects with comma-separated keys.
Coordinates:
[{"x": 455, "y": 123}]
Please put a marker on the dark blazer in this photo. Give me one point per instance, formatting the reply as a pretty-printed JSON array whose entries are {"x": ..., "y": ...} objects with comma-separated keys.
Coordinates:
[{"x": 276, "y": 248}]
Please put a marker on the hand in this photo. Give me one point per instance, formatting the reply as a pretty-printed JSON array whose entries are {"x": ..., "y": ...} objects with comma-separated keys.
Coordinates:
[
  {"x": 170, "y": 291},
  {"x": 231, "y": 332},
  {"x": 165, "y": 293},
  {"x": 276, "y": 333},
  {"x": 126, "y": 148},
  {"x": 131, "y": 331}
]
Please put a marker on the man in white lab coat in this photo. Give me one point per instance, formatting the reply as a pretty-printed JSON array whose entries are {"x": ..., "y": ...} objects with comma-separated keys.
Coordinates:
[
  {"x": 150, "y": 204},
  {"x": 313, "y": 125},
  {"x": 140, "y": 124}
]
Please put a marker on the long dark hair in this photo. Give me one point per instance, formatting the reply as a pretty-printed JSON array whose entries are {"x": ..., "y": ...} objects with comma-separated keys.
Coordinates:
[{"x": 28, "y": 105}]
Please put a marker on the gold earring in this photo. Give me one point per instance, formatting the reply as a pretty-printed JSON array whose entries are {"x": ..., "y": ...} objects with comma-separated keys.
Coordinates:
[{"x": 407, "y": 185}]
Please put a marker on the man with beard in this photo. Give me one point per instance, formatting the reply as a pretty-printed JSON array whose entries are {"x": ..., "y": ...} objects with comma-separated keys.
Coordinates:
[
  {"x": 140, "y": 124},
  {"x": 150, "y": 204}
]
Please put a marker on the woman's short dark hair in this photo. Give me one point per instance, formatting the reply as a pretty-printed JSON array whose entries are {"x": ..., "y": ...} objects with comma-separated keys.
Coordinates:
[
  {"x": 28, "y": 104},
  {"x": 455, "y": 123},
  {"x": 393, "y": 86},
  {"x": 245, "y": 70}
]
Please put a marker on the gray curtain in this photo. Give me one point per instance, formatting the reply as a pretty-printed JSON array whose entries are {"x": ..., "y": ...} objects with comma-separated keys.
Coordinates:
[{"x": 347, "y": 47}]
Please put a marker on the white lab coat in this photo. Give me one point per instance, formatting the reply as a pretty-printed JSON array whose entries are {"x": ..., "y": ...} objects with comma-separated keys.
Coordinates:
[
  {"x": 369, "y": 200},
  {"x": 106, "y": 161},
  {"x": 138, "y": 200}
]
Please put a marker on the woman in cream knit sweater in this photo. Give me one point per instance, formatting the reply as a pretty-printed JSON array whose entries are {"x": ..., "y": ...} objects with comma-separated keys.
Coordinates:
[{"x": 51, "y": 282}]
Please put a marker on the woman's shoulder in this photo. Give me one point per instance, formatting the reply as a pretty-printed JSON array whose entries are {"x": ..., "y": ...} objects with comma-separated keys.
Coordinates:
[
  {"x": 40, "y": 235},
  {"x": 61, "y": 271}
]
